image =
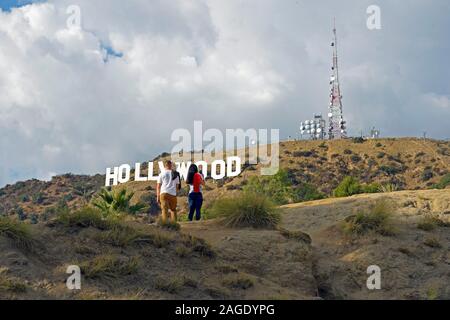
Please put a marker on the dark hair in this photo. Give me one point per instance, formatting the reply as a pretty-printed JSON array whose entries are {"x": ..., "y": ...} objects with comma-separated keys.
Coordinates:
[
  {"x": 175, "y": 174},
  {"x": 167, "y": 163},
  {"x": 193, "y": 169}
]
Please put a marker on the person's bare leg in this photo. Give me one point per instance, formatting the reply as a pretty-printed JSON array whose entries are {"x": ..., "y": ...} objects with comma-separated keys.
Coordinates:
[{"x": 173, "y": 216}]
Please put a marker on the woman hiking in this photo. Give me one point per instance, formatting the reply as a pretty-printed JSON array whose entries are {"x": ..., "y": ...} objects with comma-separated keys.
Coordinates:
[{"x": 195, "y": 181}]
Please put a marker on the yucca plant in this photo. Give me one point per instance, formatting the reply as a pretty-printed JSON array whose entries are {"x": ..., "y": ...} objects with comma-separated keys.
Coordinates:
[
  {"x": 390, "y": 187},
  {"x": 110, "y": 202}
]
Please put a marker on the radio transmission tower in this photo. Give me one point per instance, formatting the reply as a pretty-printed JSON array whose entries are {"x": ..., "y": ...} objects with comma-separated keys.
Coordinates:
[{"x": 337, "y": 128}]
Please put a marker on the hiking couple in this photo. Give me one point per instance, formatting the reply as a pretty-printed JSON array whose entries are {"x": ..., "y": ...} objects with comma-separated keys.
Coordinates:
[{"x": 169, "y": 184}]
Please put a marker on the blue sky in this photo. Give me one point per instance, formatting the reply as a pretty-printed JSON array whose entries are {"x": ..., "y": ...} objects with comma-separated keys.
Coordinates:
[{"x": 6, "y": 5}]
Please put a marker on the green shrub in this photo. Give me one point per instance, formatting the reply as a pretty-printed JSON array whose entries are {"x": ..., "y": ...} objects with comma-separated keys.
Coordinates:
[
  {"x": 282, "y": 189},
  {"x": 376, "y": 220},
  {"x": 371, "y": 188},
  {"x": 348, "y": 187},
  {"x": 445, "y": 182},
  {"x": 86, "y": 217},
  {"x": 18, "y": 232},
  {"x": 247, "y": 210}
]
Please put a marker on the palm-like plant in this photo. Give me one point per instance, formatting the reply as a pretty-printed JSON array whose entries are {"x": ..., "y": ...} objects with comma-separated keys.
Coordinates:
[
  {"x": 390, "y": 187},
  {"x": 110, "y": 202}
]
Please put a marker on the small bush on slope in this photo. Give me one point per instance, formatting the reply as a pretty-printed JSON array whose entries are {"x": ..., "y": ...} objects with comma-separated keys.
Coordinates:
[
  {"x": 281, "y": 189},
  {"x": 377, "y": 220},
  {"x": 430, "y": 223},
  {"x": 87, "y": 217},
  {"x": 10, "y": 284},
  {"x": 351, "y": 186},
  {"x": 109, "y": 266},
  {"x": 445, "y": 181},
  {"x": 247, "y": 210},
  {"x": 115, "y": 232},
  {"x": 198, "y": 245},
  {"x": 18, "y": 232}
]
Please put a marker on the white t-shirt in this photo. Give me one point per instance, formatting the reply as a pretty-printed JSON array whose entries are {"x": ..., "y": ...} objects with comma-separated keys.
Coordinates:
[{"x": 167, "y": 184}]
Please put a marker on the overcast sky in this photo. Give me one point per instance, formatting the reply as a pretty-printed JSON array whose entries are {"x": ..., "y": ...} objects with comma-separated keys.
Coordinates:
[{"x": 81, "y": 100}]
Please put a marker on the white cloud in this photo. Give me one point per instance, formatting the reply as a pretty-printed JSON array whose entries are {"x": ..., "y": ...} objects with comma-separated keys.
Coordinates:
[{"x": 229, "y": 63}]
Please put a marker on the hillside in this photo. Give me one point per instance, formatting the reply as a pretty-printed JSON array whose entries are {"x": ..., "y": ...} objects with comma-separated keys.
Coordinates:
[
  {"x": 206, "y": 261},
  {"x": 409, "y": 163}
]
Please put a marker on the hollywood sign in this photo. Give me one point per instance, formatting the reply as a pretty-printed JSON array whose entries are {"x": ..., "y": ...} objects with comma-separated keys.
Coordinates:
[{"x": 217, "y": 170}]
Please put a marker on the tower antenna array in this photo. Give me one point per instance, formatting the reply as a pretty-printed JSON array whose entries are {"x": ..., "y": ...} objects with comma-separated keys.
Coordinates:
[{"x": 337, "y": 125}]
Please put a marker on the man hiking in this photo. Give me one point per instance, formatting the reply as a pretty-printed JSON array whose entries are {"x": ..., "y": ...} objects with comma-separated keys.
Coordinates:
[{"x": 166, "y": 192}]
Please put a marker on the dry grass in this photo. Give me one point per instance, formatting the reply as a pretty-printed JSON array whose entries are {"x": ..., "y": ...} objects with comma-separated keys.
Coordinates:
[
  {"x": 429, "y": 223},
  {"x": 173, "y": 226},
  {"x": 109, "y": 266},
  {"x": 390, "y": 187},
  {"x": 11, "y": 284},
  {"x": 174, "y": 284},
  {"x": 182, "y": 251},
  {"x": 198, "y": 245},
  {"x": 17, "y": 232},
  {"x": 226, "y": 269},
  {"x": 123, "y": 237},
  {"x": 377, "y": 220},
  {"x": 86, "y": 217},
  {"x": 238, "y": 282},
  {"x": 297, "y": 235},
  {"x": 432, "y": 243}
]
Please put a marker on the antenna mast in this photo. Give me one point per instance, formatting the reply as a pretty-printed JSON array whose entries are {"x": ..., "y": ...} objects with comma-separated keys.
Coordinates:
[{"x": 337, "y": 128}]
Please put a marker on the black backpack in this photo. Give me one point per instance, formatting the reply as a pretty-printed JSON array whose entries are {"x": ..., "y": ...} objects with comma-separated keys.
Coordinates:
[{"x": 176, "y": 174}]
